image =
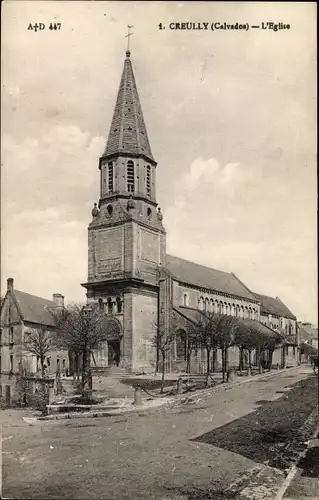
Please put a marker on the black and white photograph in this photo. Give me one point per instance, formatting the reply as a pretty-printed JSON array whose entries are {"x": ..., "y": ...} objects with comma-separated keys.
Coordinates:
[{"x": 159, "y": 292}]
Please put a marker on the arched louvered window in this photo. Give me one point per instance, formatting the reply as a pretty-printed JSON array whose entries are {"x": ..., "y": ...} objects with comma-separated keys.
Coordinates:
[
  {"x": 109, "y": 305},
  {"x": 110, "y": 177},
  {"x": 148, "y": 180},
  {"x": 130, "y": 177},
  {"x": 119, "y": 304}
]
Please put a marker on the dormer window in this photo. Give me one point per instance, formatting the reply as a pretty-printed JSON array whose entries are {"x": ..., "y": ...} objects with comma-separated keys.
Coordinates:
[
  {"x": 148, "y": 180},
  {"x": 110, "y": 177},
  {"x": 130, "y": 177}
]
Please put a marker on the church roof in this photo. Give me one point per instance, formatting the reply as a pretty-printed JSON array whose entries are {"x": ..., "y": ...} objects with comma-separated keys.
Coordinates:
[
  {"x": 207, "y": 277},
  {"x": 271, "y": 305},
  {"x": 34, "y": 309},
  {"x": 128, "y": 134}
]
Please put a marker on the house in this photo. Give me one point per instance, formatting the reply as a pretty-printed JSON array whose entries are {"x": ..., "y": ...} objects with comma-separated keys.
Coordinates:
[
  {"x": 21, "y": 314},
  {"x": 276, "y": 315}
]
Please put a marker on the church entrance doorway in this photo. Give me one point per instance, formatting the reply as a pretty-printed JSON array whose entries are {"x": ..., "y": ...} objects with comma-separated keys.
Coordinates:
[
  {"x": 114, "y": 337},
  {"x": 114, "y": 352}
]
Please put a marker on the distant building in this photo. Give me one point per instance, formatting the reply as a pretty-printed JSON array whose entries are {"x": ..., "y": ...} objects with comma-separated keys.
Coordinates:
[
  {"x": 276, "y": 315},
  {"x": 308, "y": 333},
  {"x": 21, "y": 314}
]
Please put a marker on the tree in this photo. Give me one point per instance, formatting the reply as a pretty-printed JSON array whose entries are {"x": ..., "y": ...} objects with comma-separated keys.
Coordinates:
[
  {"x": 206, "y": 336},
  {"x": 163, "y": 340},
  {"x": 80, "y": 329},
  {"x": 246, "y": 338},
  {"x": 191, "y": 345},
  {"x": 39, "y": 342},
  {"x": 225, "y": 337}
]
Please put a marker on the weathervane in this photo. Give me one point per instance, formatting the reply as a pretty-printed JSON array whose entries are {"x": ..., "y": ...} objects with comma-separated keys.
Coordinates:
[{"x": 128, "y": 38}]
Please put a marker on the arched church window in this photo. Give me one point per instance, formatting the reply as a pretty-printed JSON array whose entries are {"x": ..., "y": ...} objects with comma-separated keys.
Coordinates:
[
  {"x": 206, "y": 305},
  {"x": 109, "y": 306},
  {"x": 185, "y": 300},
  {"x": 180, "y": 340},
  {"x": 119, "y": 304},
  {"x": 101, "y": 305},
  {"x": 201, "y": 303},
  {"x": 110, "y": 177},
  {"x": 130, "y": 177},
  {"x": 148, "y": 179}
]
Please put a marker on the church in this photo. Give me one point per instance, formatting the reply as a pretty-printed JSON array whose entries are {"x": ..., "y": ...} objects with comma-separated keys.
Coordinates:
[{"x": 130, "y": 276}]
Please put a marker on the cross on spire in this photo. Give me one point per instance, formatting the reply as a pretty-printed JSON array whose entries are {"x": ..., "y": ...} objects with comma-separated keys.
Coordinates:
[{"x": 128, "y": 53}]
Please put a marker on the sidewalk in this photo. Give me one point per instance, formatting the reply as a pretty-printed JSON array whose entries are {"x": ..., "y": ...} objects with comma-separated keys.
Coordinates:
[{"x": 149, "y": 404}]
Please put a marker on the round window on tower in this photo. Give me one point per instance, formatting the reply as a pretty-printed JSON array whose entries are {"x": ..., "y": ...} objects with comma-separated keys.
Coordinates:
[
  {"x": 149, "y": 213},
  {"x": 109, "y": 209}
]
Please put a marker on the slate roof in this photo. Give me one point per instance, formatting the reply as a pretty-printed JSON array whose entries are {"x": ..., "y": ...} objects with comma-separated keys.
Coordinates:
[
  {"x": 207, "y": 277},
  {"x": 128, "y": 132},
  {"x": 194, "y": 315},
  {"x": 34, "y": 309},
  {"x": 307, "y": 332},
  {"x": 271, "y": 305}
]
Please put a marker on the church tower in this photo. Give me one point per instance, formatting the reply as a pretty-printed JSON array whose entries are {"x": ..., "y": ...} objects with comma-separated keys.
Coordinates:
[{"x": 127, "y": 240}]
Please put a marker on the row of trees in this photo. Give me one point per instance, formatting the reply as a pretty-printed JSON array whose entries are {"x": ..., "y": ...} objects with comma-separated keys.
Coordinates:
[
  {"x": 79, "y": 330},
  {"x": 219, "y": 331}
]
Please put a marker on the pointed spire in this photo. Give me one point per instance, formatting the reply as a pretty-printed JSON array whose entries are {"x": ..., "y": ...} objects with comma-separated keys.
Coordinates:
[{"x": 128, "y": 134}]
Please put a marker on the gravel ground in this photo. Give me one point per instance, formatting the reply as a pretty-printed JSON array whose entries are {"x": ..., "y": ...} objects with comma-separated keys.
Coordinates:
[{"x": 194, "y": 451}]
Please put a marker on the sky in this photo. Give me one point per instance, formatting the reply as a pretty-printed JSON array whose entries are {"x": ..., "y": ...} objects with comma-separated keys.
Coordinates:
[{"x": 231, "y": 118}]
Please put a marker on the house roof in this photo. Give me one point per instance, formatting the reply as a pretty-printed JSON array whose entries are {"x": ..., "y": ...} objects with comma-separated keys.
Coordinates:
[
  {"x": 307, "y": 331},
  {"x": 34, "y": 309},
  {"x": 271, "y": 305},
  {"x": 128, "y": 132},
  {"x": 207, "y": 277}
]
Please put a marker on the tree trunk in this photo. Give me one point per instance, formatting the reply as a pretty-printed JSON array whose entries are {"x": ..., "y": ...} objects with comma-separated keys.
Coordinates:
[
  {"x": 188, "y": 360},
  {"x": 224, "y": 362},
  {"x": 259, "y": 361},
  {"x": 207, "y": 364},
  {"x": 214, "y": 360},
  {"x": 157, "y": 356},
  {"x": 249, "y": 359},
  {"x": 241, "y": 359},
  {"x": 84, "y": 369},
  {"x": 42, "y": 358},
  {"x": 163, "y": 372}
]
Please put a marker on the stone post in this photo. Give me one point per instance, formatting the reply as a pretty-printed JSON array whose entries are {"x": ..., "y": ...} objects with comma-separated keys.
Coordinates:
[
  {"x": 179, "y": 385},
  {"x": 137, "y": 396},
  {"x": 231, "y": 375},
  {"x": 51, "y": 395}
]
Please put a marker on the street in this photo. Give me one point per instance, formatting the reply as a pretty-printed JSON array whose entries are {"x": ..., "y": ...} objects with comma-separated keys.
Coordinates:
[{"x": 194, "y": 450}]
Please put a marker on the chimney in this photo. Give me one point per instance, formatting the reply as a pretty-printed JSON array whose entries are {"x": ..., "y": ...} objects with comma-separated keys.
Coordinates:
[
  {"x": 10, "y": 284},
  {"x": 58, "y": 299}
]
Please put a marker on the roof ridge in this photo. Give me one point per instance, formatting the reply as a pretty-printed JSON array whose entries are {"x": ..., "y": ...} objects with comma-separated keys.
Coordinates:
[
  {"x": 197, "y": 264},
  {"x": 242, "y": 283},
  {"x": 33, "y": 295}
]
